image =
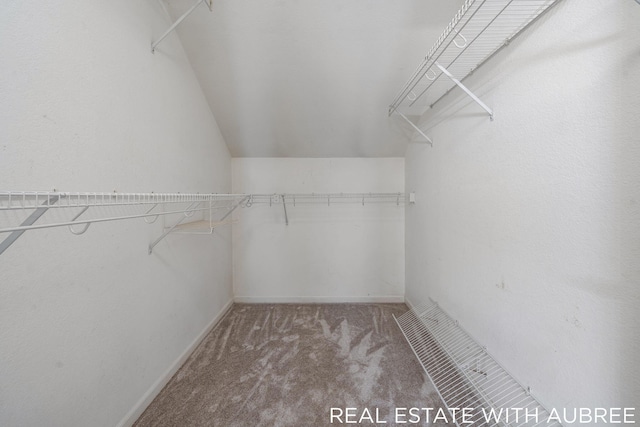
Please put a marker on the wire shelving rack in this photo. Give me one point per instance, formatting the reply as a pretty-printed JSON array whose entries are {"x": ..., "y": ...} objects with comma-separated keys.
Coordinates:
[
  {"x": 191, "y": 213},
  {"x": 477, "y": 32},
  {"x": 295, "y": 199},
  {"x": 466, "y": 375}
]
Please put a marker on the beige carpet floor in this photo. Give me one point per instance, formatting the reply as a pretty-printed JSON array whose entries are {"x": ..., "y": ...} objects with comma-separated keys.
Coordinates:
[{"x": 290, "y": 364}]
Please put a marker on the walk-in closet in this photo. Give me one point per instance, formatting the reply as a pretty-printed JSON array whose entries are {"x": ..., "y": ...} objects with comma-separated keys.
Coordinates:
[{"x": 290, "y": 213}]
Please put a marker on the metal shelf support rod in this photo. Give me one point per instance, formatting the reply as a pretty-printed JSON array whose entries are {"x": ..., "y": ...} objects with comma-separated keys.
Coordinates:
[
  {"x": 189, "y": 212},
  {"x": 35, "y": 215},
  {"x": 234, "y": 208},
  {"x": 86, "y": 226},
  {"x": 186, "y": 214},
  {"x": 284, "y": 205},
  {"x": 415, "y": 127},
  {"x": 465, "y": 89},
  {"x": 175, "y": 24}
]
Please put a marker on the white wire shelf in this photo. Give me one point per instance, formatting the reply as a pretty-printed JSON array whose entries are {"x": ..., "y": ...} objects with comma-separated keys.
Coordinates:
[
  {"x": 295, "y": 199},
  {"x": 20, "y": 200},
  {"x": 475, "y": 34},
  {"x": 466, "y": 375},
  {"x": 17, "y": 200},
  {"x": 24, "y": 209},
  {"x": 173, "y": 26}
]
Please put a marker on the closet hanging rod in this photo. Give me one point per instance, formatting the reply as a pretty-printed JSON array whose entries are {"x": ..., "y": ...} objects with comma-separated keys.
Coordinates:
[
  {"x": 179, "y": 20},
  {"x": 328, "y": 198}
]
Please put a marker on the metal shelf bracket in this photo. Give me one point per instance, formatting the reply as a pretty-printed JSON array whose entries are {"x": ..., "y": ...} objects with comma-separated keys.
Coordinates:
[
  {"x": 245, "y": 199},
  {"x": 155, "y": 218},
  {"x": 86, "y": 225},
  {"x": 284, "y": 205},
  {"x": 186, "y": 214},
  {"x": 465, "y": 89},
  {"x": 415, "y": 127},
  {"x": 35, "y": 215},
  {"x": 209, "y": 4}
]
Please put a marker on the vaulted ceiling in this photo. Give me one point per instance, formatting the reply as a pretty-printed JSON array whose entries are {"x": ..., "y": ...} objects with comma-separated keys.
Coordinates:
[{"x": 309, "y": 78}]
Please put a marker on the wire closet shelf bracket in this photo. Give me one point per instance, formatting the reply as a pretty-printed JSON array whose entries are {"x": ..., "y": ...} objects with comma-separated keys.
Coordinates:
[
  {"x": 467, "y": 376},
  {"x": 477, "y": 32},
  {"x": 173, "y": 26}
]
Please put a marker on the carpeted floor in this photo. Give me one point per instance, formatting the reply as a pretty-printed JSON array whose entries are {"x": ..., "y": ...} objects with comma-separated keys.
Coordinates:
[{"x": 290, "y": 364}]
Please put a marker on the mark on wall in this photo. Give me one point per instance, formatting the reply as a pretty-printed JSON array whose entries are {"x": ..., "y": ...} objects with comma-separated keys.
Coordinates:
[{"x": 573, "y": 320}]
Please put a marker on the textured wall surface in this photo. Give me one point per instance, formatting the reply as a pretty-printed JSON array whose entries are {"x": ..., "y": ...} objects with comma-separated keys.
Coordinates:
[
  {"x": 91, "y": 322},
  {"x": 526, "y": 229},
  {"x": 331, "y": 253},
  {"x": 309, "y": 78}
]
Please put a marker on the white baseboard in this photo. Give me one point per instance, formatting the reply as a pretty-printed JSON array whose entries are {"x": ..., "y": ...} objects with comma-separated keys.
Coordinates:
[
  {"x": 151, "y": 394},
  {"x": 409, "y": 303},
  {"x": 318, "y": 300}
]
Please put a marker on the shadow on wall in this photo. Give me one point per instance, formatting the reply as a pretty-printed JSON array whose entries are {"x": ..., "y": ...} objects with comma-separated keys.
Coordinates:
[
  {"x": 579, "y": 190},
  {"x": 627, "y": 89},
  {"x": 452, "y": 106}
]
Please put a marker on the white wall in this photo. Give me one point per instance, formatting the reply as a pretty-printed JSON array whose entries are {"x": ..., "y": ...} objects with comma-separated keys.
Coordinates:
[
  {"x": 91, "y": 323},
  {"x": 309, "y": 78},
  {"x": 334, "y": 253},
  {"x": 526, "y": 229}
]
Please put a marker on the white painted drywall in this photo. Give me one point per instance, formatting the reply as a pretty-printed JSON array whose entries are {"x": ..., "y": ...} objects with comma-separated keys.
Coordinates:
[
  {"x": 309, "y": 78},
  {"x": 92, "y": 323},
  {"x": 335, "y": 253},
  {"x": 527, "y": 229}
]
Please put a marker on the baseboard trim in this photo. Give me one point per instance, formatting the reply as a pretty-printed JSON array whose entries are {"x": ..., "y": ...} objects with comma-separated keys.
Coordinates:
[
  {"x": 409, "y": 303},
  {"x": 318, "y": 300},
  {"x": 153, "y": 391}
]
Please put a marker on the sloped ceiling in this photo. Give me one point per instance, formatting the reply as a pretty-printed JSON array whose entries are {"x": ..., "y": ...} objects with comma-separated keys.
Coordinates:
[{"x": 309, "y": 78}]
